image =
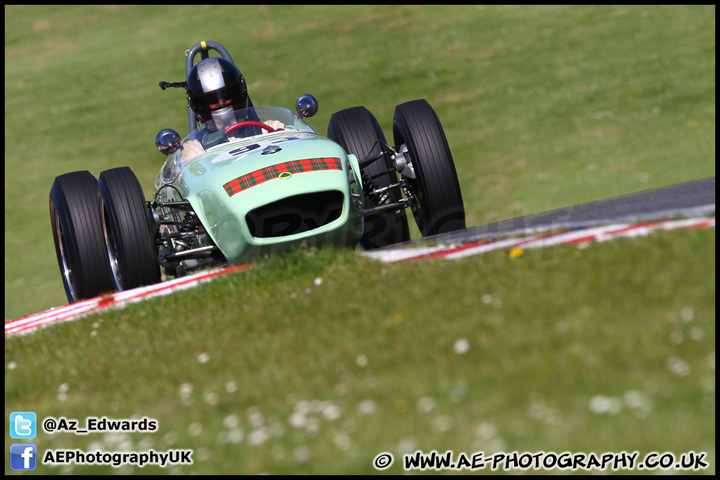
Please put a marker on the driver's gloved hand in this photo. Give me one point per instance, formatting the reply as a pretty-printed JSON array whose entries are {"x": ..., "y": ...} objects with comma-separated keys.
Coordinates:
[
  {"x": 191, "y": 149},
  {"x": 274, "y": 124}
]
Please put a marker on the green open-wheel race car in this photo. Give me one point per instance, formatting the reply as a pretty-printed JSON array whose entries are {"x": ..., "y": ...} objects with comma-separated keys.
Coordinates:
[{"x": 266, "y": 182}]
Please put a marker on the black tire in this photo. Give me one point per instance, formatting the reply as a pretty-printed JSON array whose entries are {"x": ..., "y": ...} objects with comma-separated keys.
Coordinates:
[
  {"x": 78, "y": 237},
  {"x": 126, "y": 229},
  {"x": 358, "y": 131},
  {"x": 439, "y": 205}
]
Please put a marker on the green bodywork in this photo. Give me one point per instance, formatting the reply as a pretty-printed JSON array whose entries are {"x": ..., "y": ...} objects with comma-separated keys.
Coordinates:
[{"x": 264, "y": 168}]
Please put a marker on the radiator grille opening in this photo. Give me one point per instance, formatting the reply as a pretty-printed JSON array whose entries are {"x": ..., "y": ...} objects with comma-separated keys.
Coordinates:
[{"x": 296, "y": 214}]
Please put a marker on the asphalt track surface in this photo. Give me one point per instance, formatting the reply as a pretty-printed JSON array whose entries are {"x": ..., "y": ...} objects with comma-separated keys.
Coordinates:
[{"x": 684, "y": 200}]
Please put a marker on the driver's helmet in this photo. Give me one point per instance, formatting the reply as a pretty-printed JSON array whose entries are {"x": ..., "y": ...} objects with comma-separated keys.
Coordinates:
[{"x": 215, "y": 87}]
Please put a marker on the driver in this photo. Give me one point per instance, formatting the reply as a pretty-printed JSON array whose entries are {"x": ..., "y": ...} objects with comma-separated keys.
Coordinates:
[{"x": 215, "y": 88}]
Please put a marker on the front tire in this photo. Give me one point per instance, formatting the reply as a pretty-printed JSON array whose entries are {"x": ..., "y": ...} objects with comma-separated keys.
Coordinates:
[
  {"x": 438, "y": 205},
  {"x": 126, "y": 229},
  {"x": 78, "y": 237},
  {"x": 358, "y": 132}
]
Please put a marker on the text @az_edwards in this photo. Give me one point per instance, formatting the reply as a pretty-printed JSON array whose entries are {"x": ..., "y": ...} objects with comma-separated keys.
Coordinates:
[{"x": 99, "y": 425}]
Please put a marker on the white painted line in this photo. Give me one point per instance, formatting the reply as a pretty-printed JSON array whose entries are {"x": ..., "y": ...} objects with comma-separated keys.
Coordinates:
[
  {"x": 594, "y": 234},
  {"x": 112, "y": 300}
]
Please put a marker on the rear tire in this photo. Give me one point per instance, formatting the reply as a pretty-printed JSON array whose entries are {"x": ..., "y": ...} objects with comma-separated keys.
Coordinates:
[
  {"x": 439, "y": 205},
  {"x": 126, "y": 229},
  {"x": 358, "y": 132},
  {"x": 78, "y": 236}
]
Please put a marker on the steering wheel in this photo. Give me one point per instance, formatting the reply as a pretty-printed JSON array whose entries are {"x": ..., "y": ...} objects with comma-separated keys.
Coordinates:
[{"x": 249, "y": 123}]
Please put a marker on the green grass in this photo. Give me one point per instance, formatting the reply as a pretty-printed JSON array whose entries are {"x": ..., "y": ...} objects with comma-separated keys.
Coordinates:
[
  {"x": 582, "y": 350},
  {"x": 543, "y": 107}
]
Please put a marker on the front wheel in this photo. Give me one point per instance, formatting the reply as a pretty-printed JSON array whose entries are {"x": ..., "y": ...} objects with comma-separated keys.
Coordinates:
[
  {"x": 357, "y": 130},
  {"x": 78, "y": 237},
  {"x": 126, "y": 229},
  {"x": 438, "y": 204}
]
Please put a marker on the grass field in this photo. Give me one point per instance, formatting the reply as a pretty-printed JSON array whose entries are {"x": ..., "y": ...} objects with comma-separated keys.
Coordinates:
[{"x": 316, "y": 362}]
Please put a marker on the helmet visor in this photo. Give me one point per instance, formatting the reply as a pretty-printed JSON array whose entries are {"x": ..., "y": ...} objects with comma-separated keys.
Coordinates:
[{"x": 231, "y": 95}]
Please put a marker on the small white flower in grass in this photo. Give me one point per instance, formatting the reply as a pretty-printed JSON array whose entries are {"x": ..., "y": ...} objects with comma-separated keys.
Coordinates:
[
  {"x": 486, "y": 430},
  {"x": 258, "y": 437},
  {"x": 696, "y": 334},
  {"x": 255, "y": 417},
  {"x": 495, "y": 445},
  {"x": 366, "y": 407},
  {"x": 361, "y": 360},
  {"x": 185, "y": 390},
  {"x": 677, "y": 337},
  {"x": 425, "y": 404},
  {"x": 487, "y": 299},
  {"x": 235, "y": 435},
  {"x": 638, "y": 403},
  {"x": 195, "y": 429},
  {"x": 318, "y": 281},
  {"x": 211, "y": 398},
  {"x": 313, "y": 425},
  {"x": 461, "y": 346},
  {"x": 124, "y": 445},
  {"x": 678, "y": 366},
  {"x": 64, "y": 387},
  {"x": 12, "y": 366},
  {"x": 145, "y": 443},
  {"x": 302, "y": 454},
  {"x": 113, "y": 439},
  {"x": 302, "y": 406},
  {"x": 600, "y": 404},
  {"x": 405, "y": 446},
  {"x": 202, "y": 454},
  {"x": 203, "y": 357},
  {"x": 441, "y": 424},
  {"x": 298, "y": 420},
  {"x": 331, "y": 412},
  {"x": 96, "y": 446},
  {"x": 231, "y": 387},
  {"x": 231, "y": 421},
  {"x": 687, "y": 314},
  {"x": 342, "y": 441},
  {"x": 317, "y": 405},
  {"x": 170, "y": 438}
]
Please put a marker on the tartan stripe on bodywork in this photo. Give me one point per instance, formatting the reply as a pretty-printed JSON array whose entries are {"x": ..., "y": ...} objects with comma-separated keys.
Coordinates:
[{"x": 262, "y": 175}]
